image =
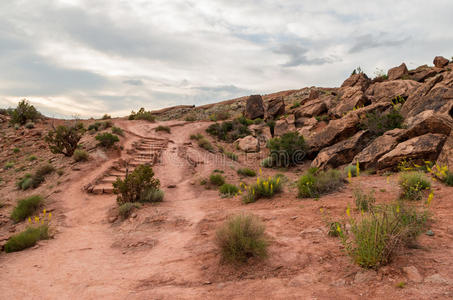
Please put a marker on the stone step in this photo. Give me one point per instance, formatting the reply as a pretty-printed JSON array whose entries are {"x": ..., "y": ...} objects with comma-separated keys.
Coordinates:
[
  {"x": 103, "y": 188},
  {"x": 117, "y": 174}
]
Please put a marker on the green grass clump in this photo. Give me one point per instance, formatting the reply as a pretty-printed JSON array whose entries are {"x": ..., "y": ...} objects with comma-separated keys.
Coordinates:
[
  {"x": 151, "y": 195},
  {"x": 376, "y": 237},
  {"x": 287, "y": 150},
  {"x": 351, "y": 169},
  {"x": 126, "y": 209},
  {"x": 448, "y": 180},
  {"x": 246, "y": 172},
  {"x": 107, "y": 140},
  {"x": 413, "y": 185},
  {"x": 228, "y": 190},
  {"x": 216, "y": 179},
  {"x": 27, "y": 238},
  {"x": 32, "y": 158},
  {"x": 314, "y": 184},
  {"x": 142, "y": 114},
  {"x": 196, "y": 137},
  {"x": 80, "y": 155},
  {"x": 231, "y": 155},
  {"x": 26, "y": 207},
  {"x": 230, "y": 130},
  {"x": 16, "y": 150},
  {"x": 41, "y": 173},
  {"x": 266, "y": 163},
  {"x": 8, "y": 165},
  {"x": 263, "y": 188},
  {"x": 25, "y": 182},
  {"x": 205, "y": 144},
  {"x": 242, "y": 237},
  {"x": 167, "y": 129},
  {"x": 117, "y": 131},
  {"x": 364, "y": 201}
]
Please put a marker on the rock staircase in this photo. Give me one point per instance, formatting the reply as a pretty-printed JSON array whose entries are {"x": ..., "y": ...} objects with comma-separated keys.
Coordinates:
[{"x": 145, "y": 151}]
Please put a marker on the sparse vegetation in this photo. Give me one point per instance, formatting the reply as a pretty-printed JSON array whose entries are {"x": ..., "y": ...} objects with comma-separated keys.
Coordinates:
[
  {"x": 142, "y": 114},
  {"x": 216, "y": 179},
  {"x": 230, "y": 130},
  {"x": 26, "y": 207},
  {"x": 350, "y": 169},
  {"x": 136, "y": 185},
  {"x": 315, "y": 183},
  {"x": 287, "y": 150},
  {"x": 448, "y": 180},
  {"x": 242, "y": 237},
  {"x": 322, "y": 118},
  {"x": 380, "y": 122},
  {"x": 263, "y": 188},
  {"x": 228, "y": 190},
  {"x": 23, "y": 113},
  {"x": 16, "y": 150},
  {"x": 126, "y": 209},
  {"x": 163, "y": 128},
  {"x": 364, "y": 201},
  {"x": 106, "y": 117},
  {"x": 231, "y": 155},
  {"x": 246, "y": 172},
  {"x": 205, "y": 144},
  {"x": 27, "y": 238},
  {"x": 413, "y": 185},
  {"x": 80, "y": 155},
  {"x": 151, "y": 195},
  {"x": 35, "y": 180},
  {"x": 266, "y": 163},
  {"x": 32, "y": 158},
  {"x": 65, "y": 139},
  {"x": 219, "y": 116},
  {"x": 107, "y": 140},
  {"x": 30, "y": 125},
  {"x": 117, "y": 131}
]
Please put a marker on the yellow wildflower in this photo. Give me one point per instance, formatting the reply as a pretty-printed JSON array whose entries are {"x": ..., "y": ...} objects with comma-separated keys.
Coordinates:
[
  {"x": 29, "y": 220},
  {"x": 348, "y": 212},
  {"x": 358, "y": 168},
  {"x": 397, "y": 209},
  {"x": 36, "y": 219},
  {"x": 430, "y": 198}
]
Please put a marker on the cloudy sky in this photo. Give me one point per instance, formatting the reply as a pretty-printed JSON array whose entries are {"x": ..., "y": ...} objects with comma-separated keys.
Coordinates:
[{"x": 88, "y": 57}]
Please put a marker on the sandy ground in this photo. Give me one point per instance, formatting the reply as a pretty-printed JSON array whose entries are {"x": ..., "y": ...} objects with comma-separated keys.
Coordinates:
[{"x": 167, "y": 251}]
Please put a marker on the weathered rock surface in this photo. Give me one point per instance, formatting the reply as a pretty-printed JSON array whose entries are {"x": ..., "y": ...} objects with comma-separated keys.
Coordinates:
[
  {"x": 425, "y": 147},
  {"x": 254, "y": 107},
  {"x": 398, "y": 72},
  {"x": 283, "y": 126},
  {"x": 352, "y": 97},
  {"x": 440, "y": 61},
  {"x": 248, "y": 144},
  {"x": 369, "y": 156},
  {"x": 422, "y": 73},
  {"x": 428, "y": 122},
  {"x": 275, "y": 108},
  {"x": 361, "y": 80},
  {"x": 388, "y": 90},
  {"x": 343, "y": 152},
  {"x": 311, "y": 109},
  {"x": 446, "y": 154}
]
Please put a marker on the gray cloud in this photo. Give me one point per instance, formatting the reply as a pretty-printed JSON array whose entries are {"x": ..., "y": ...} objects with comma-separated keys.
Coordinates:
[
  {"x": 298, "y": 56},
  {"x": 370, "y": 41},
  {"x": 136, "y": 82}
]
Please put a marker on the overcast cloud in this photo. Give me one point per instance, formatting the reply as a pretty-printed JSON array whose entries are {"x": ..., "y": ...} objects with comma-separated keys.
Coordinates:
[{"x": 89, "y": 57}]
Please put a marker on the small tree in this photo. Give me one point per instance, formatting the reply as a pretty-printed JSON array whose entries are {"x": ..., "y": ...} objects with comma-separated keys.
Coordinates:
[
  {"x": 136, "y": 185},
  {"x": 24, "y": 113},
  {"x": 65, "y": 139},
  {"x": 287, "y": 150}
]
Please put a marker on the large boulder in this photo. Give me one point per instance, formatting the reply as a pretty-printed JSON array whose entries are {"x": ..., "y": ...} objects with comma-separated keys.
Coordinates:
[
  {"x": 343, "y": 152},
  {"x": 369, "y": 156},
  {"x": 275, "y": 108},
  {"x": 428, "y": 122},
  {"x": 440, "y": 61},
  {"x": 283, "y": 126},
  {"x": 248, "y": 144},
  {"x": 311, "y": 109},
  {"x": 351, "y": 97},
  {"x": 334, "y": 132},
  {"x": 388, "y": 90},
  {"x": 398, "y": 72},
  {"x": 422, "y": 73},
  {"x": 254, "y": 107},
  {"x": 446, "y": 154},
  {"x": 357, "y": 80},
  {"x": 417, "y": 149}
]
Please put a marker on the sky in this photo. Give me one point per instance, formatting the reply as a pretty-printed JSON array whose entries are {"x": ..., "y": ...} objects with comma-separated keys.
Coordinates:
[{"x": 85, "y": 58}]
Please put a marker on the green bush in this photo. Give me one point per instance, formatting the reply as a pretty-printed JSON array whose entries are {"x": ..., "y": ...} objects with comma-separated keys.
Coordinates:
[
  {"x": 352, "y": 169},
  {"x": 230, "y": 130},
  {"x": 16, "y": 150},
  {"x": 242, "y": 237},
  {"x": 65, "y": 139},
  {"x": 313, "y": 185},
  {"x": 106, "y": 124},
  {"x": 80, "y": 155},
  {"x": 262, "y": 189},
  {"x": 126, "y": 209},
  {"x": 25, "y": 182},
  {"x": 266, "y": 163},
  {"x": 448, "y": 180},
  {"x": 151, "y": 195},
  {"x": 216, "y": 179},
  {"x": 24, "y": 112},
  {"x": 228, "y": 190},
  {"x": 413, "y": 185},
  {"x": 107, "y": 140},
  {"x": 364, "y": 201},
  {"x": 287, "y": 150},
  {"x": 32, "y": 158},
  {"x": 95, "y": 126},
  {"x": 380, "y": 122},
  {"x": 27, "y": 238},
  {"x": 196, "y": 137},
  {"x": 40, "y": 174},
  {"x": 142, "y": 114},
  {"x": 117, "y": 131},
  {"x": 246, "y": 172},
  {"x": 134, "y": 186},
  {"x": 374, "y": 239},
  {"x": 8, "y": 165},
  {"x": 205, "y": 144},
  {"x": 106, "y": 117},
  {"x": 26, "y": 207},
  {"x": 167, "y": 129}
]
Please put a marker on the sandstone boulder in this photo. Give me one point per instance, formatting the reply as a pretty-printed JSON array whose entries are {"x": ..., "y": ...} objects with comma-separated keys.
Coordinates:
[
  {"x": 369, "y": 156},
  {"x": 440, "y": 61},
  {"x": 254, "y": 107},
  {"x": 388, "y": 90},
  {"x": 446, "y": 154},
  {"x": 343, "y": 152},
  {"x": 275, "y": 108},
  {"x": 418, "y": 149},
  {"x": 428, "y": 122},
  {"x": 261, "y": 132},
  {"x": 422, "y": 73},
  {"x": 283, "y": 126},
  {"x": 351, "y": 97},
  {"x": 357, "y": 80},
  {"x": 398, "y": 72},
  {"x": 311, "y": 109},
  {"x": 248, "y": 144}
]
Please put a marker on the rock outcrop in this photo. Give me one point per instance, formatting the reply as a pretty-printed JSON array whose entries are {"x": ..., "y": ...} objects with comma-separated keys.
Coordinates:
[
  {"x": 440, "y": 61},
  {"x": 254, "y": 107},
  {"x": 399, "y": 72},
  {"x": 248, "y": 144},
  {"x": 275, "y": 108}
]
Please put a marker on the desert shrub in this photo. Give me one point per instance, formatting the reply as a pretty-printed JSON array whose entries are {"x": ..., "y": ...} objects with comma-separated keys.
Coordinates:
[
  {"x": 126, "y": 209},
  {"x": 364, "y": 201},
  {"x": 313, "y": 185},
  {"x": 379, "y": 122},
  {"x": 80, "y": 155},
  {"x": 375, "y": 238},
  {"x": 25, "y": 182},
  {"x": 230, "y": 130},
  {"x": 287, "y": 150},
  {"x": 106, "y": 124},
  {"x": 32, "y": 158},
  {"x": 322, "y": 118},
  {"x": 163, "y": 128},
  {"x": 228, "y": 190},
  {"x": 352, "y": 169},
  {"x": 27, "y": 238},
  {"x": 39, "y": 176},
  {"x": 60, "y": 172},
  {"x": 448, "y": 180},
  {"x": 8, "y": 165},
  {"x": 205, "y": 144},
  {"x": 231, "y": 155},
  {"x": 107, "y": 140},
  {"x": 117, "y": 131},
  {"x": 16, "y": 150},
  {"x": 196, "y": 137},
  {"x": 142, "y": 114},
  {"x": 295, "y": 105},
  {"x": 133, "y": 187},
  {"x": 190, "y": 118},
  {"x": 106, "y": 117},
  {"x": 216, "y": 179},
  {"x": 242, "y": 237},
  {"x": 26, "y": 207},
  {"x": 246, "y": 172},
  {"x": 263, "y": 188},
  {"x": 333, "y": 229},
  {"x": 413, "y": 185},
  {"x": 95, "y": 126},
  {"x": 258, "y": 121},
  {"x": 266, "y": 163},
  {"x": 23, "y": 113},
  {"x": 219, "y": 116},
  {"x": 151, "y": 194},
  {"x": 65, "y": 139},
  {"x": 30, "y": 125}
]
